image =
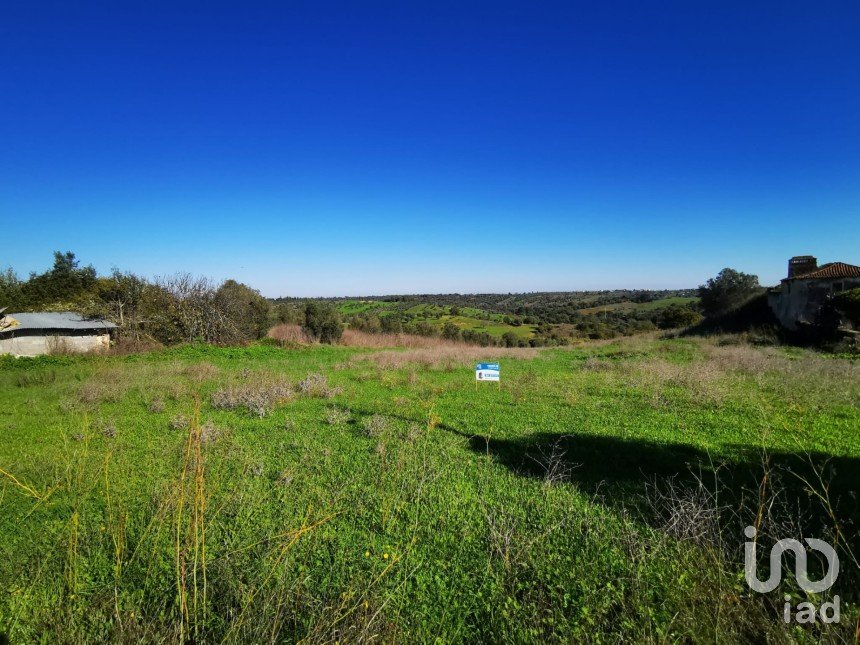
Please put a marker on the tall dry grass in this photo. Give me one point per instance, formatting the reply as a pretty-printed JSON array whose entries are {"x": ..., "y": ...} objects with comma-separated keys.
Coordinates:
[
  {"x": 289, "y": 335},
  {"x": 713, "y": 376},
  {"x": 446, "y": 356},
  {"x": 355, "y": 338}
]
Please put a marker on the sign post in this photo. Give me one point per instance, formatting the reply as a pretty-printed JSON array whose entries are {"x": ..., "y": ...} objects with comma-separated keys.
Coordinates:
[{"x": 487, "y": 372}]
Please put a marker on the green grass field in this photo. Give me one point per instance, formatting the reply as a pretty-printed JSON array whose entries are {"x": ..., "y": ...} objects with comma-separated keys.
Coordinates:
[
  {"x": 336, "y": 494},
  {"x": 492, "y": 327},
  {"x": 639, "y": 306}
]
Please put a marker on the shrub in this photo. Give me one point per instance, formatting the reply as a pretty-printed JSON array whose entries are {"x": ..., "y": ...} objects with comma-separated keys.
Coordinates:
[
  {"x": 258, "y": 399},
  {"x": 391, "y": 325},
  {"x": 246, "y": 309},
  {"x": 322, "y": 322},
  {"x": 848, "y": 303},
  {"x": 510, "y": 339},
  {"x": 450, "y": 331},
  {"x": 316, "y": 385},
  {"x": 678, "y": 316}
]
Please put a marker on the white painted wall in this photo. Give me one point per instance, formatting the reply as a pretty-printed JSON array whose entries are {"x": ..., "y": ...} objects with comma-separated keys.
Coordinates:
[{"x": 38, "y": 345}]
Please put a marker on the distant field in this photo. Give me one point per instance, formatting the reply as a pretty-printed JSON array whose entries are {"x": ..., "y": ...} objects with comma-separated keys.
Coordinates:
[
  {"x": 346, "y": 494},
  {"x": 639, "y": 306},
  {"x": 437, "y": 315},
  {"x": 350, "y": 307},
  {"x": 494, "y": 328}
]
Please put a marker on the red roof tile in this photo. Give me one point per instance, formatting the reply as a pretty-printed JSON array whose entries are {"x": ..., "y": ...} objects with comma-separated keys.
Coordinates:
[{"x": 831, "y": 270}]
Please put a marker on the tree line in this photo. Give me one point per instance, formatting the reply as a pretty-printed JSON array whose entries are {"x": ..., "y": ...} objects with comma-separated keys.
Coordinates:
[
  {"x": 186, "y": 308},
  {"x": 168, "y": 310}
]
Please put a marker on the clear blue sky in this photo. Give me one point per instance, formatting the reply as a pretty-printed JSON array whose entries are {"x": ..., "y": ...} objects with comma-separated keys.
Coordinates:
[{"x": 319, "y": 148}]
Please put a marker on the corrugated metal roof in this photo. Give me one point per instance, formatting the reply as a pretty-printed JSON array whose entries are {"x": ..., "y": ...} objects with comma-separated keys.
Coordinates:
[
  {"x": 53, "y": 320},
  {"x": 831, "y": 270}
]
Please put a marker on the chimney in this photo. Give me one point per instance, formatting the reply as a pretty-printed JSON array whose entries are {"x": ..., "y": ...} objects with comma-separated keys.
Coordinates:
[{"x": 800, "y": 264}]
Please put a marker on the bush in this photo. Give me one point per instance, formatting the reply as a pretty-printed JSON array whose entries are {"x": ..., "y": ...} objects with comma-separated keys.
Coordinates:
[
  {"x": 678, "y": 316},
  {"x": 848, "y": 303},
  {"x": 391, "y": 325},
  {"x": 245, "y": 308},
  {"x": 322, "y": 322},
  {"x": 450, "y": 331},
  {"x": 510, "y": 339},
  {"x": 259, "y": 399},
  {"x": 422, "y": 328}
]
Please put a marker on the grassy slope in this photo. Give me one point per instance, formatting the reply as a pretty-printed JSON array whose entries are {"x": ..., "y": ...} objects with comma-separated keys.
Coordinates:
[
  {"x": 420, "y": 522},
  {"x": 494, "y": 328},
  {"x": 350, "y": 307},
  {"x": 639, "y": 306}
]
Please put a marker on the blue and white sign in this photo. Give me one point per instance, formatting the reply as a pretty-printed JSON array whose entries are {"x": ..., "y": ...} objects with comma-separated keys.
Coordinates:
[{"x": 487, "y": 372}]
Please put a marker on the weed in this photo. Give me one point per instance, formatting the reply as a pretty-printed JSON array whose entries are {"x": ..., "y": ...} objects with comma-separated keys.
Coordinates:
[
  {"x": 258, "y": 399},
  {"x": 317, "y": 385},
  {"x": 336, "y": 416},
  {"x": 31, "y": 378},
  {"x": 579, "y": 503},
  {"x": 374, "y": 425}
]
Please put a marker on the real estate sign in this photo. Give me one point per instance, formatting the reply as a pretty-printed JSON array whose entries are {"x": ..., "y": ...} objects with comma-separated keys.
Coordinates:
[{"x": 487, "y": 372}]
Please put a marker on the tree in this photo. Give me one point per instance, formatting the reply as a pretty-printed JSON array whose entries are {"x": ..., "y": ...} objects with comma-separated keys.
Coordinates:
[
  {"x": 729, "y": 290},
  {"x": 287, "y": 313},
  {"x": 322, "y": 322},
  {"x": 245, "y": 308},
  {"x": 64, "y": 283},
  {"x": 122, "y": 293},
  {"x": 10, "y": 290}
]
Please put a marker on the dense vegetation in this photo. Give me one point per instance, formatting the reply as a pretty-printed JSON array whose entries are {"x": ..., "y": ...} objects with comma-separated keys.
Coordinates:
[
  {"x": 515, "y": 320},
  {"x": 327, "y": 493},
  {"x": 182, "y": 308},
  {"x": 168, "y": 310}
]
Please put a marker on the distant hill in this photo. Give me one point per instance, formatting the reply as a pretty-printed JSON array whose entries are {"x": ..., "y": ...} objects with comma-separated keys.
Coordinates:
[{"x": 540, "y": 318}]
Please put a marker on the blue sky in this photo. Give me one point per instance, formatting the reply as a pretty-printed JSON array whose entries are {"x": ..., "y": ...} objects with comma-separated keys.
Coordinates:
[{"x": 325, "y": 148}]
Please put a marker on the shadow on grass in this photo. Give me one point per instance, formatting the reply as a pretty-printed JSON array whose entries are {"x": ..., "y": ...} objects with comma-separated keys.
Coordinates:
[{"x": 617, "y": 472}]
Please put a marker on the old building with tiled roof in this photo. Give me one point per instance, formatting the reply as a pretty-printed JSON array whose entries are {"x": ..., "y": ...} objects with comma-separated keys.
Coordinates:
[{"x": 798, "y": 299}]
